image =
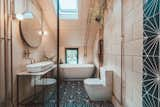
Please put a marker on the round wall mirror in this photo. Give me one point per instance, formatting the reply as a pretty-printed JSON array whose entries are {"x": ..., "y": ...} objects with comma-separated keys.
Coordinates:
[{"x": 29, "y": 30}]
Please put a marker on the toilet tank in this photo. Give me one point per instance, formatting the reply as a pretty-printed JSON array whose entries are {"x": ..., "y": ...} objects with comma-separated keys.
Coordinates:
[{"x": 106, "y": 76}]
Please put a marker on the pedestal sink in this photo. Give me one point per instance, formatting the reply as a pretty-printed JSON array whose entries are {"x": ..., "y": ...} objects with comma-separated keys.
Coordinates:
[{"x": 39, "y": 67}]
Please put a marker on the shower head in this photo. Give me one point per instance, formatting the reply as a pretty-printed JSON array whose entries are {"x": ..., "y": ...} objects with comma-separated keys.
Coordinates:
[{"x": 25, "y": 15}]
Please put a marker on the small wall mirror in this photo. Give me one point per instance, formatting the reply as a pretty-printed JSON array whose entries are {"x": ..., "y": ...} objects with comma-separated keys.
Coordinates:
[{"x": 30, "y": 29}]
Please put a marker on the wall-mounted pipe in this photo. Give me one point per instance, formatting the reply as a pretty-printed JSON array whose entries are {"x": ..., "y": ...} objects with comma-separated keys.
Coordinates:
[
  {"x": 6, "y": 29},
  {"x": 11, "y": 45},
  {"x": 5, "y": 51}
]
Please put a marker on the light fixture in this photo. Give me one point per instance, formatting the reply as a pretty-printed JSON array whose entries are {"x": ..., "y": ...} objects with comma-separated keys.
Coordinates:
[
  {"x": 42, "y": 31},
  {"x": 19, "y": 16},
  {"x": 27, "y": 14}
]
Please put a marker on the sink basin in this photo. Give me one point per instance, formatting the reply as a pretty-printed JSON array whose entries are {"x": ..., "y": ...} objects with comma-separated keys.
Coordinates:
[{"x": 39, "y": 67}]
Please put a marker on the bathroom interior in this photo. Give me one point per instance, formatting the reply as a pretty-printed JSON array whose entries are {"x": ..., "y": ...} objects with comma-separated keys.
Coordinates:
[{"x": 79, "y": 53}]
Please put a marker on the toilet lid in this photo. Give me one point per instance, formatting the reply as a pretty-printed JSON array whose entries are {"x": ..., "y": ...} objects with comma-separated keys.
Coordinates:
[{"x": 93, "y": 81}]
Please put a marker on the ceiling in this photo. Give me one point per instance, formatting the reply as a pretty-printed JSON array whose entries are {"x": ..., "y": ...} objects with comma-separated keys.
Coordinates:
[{"x": 72, "y": 32}]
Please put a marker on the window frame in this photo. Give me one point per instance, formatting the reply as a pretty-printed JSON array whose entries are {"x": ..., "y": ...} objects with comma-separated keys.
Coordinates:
[
  {"x": 71, "y": 49},
  {"x": 68, "y": 14},
  {"x": 69, "y": 10}
]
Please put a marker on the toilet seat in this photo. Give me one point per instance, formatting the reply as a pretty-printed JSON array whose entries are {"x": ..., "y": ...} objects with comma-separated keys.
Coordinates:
[
  {"x": 93, "y": 81},
  {"x": 100, "y": 89}
]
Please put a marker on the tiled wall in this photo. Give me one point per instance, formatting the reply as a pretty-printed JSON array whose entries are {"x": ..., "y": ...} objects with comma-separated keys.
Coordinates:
[
  {"x": 140, "y": 31},
  {"x": 112, "y": 46},
  {"x": 132, "y": 30},
  {"x": 123, "y": 52},
  {"x": 151, "y": 51}
]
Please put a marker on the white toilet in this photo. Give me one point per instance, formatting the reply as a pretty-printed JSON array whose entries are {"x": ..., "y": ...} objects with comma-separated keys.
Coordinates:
[{"x": 100, "y": 89}]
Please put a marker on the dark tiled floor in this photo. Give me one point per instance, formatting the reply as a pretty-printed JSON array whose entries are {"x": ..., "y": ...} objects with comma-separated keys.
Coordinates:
[{"x": 72, "y": 94}]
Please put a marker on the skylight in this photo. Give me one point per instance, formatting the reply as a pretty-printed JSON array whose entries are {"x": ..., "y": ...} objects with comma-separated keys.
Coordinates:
[
  {"x": 68, "y": 5},
  {"x": 68, "y": 9}
]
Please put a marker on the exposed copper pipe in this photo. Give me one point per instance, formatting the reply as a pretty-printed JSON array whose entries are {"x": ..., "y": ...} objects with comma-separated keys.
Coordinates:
[
  {"x": 5, "y": 62},
  {"x": 7, "y": 54},
  {"x": 3, "y": 39},
  {"x": 11, "y": 46},
  {"x": 7, "y": 51}
]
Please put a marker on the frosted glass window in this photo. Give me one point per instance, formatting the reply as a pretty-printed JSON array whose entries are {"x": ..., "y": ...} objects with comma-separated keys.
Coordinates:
[{"x": 71, "y": 55}]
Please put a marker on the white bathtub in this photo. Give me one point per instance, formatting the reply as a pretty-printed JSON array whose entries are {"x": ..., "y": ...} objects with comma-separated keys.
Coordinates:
[{"x": 76, "y": 71}]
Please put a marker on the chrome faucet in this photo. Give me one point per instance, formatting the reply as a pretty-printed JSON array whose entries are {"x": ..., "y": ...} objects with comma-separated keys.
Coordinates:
[{"x": 33, "y": 60}]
